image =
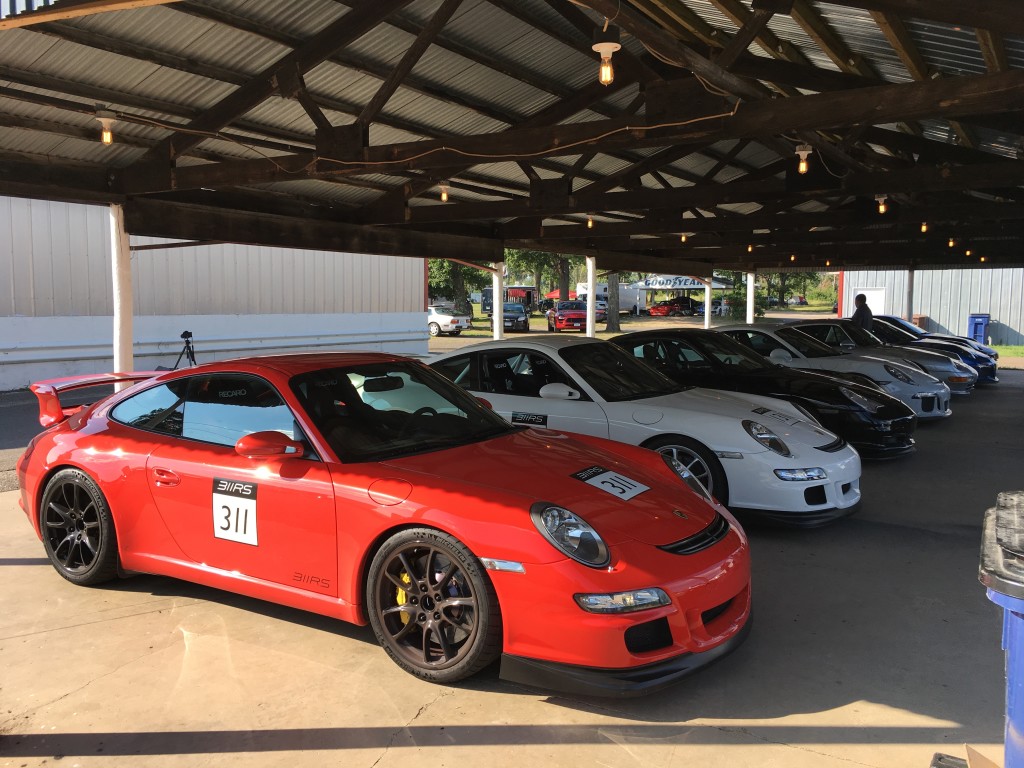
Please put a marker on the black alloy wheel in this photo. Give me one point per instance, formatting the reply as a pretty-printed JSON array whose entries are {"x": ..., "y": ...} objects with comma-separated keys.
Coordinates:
[
  {"x": 78, "y": 531},
  {"x": 432, "y": 607}
]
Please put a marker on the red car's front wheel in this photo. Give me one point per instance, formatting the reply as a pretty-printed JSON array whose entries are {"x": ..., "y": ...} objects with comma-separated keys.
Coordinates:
[{"x": 432, "y": 607}]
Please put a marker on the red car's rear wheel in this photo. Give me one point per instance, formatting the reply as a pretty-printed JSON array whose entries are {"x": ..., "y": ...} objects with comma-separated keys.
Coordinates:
[
  {"x": 432, "y": 607},
  {"x": 78, "y": 532}
]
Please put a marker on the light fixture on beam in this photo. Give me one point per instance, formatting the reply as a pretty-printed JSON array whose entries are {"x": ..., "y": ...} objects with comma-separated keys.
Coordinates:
[
  {"x": 750, "y": 249},
  {"x": 606, "y": 42},
  {"x": 924, "y": 227},
  {"x": 803, "y": 150},
  {"x": 444, "y": 191},
  {"x": 968, "y": 252},
  {"x": 792, "y": 257},
  {"x": 682, "y": 237},
  {"x": 952, "y": 242},
  {"x": 590, "y": 221},
  {"x": 106, "y": 118},
  {"x": 828, "y": 262},
  {"x": 883, "y": 206},
  {"x": 982, "y": 259}
]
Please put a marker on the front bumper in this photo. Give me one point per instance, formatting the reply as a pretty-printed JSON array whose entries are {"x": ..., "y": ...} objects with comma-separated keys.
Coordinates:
[
  {"x": 931, "y": 405},
  {"x": 623, "y": 683}
]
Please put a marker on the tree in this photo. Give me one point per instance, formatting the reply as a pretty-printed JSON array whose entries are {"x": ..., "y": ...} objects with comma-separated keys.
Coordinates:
[
  {"x": 454, "y": 281},
  {"x": 613, "y": 303}
]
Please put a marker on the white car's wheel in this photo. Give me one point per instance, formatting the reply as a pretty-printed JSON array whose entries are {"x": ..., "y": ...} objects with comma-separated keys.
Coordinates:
[{"x": 435, "y": 329}]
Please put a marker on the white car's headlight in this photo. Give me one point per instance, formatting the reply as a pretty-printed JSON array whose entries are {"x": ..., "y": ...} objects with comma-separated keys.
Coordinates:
[
  {"x": 802, "y": 475},
  {"x": 896, "y": 373},
  {"x": 687, "y": 476},
  {"x": 869, "y": 405},
  {"x": 570, "y": 534},
  {"x": 623, "y": 602},
  {"x": 766, "y": 437}
]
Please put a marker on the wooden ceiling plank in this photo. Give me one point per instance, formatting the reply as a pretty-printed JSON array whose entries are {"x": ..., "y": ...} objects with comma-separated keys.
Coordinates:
[
  {"x": 74, "y": 10},
  {"x": 751, "y": 29},
  {"x": 409, "y": 60},
  {"x": 993, "y": 50},
  {"x": 335, "y": 35}
]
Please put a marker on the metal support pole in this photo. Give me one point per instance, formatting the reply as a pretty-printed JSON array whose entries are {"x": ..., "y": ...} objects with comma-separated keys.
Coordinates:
[
  {"x": 707, "y": 302},
  {"x": 909, "y": 314},
  {"x": 498, "y": 300},
  {"x": 751, "y": 287},
  {"x": 591, "y": 296},
  {"x": 121, "y": 274}
]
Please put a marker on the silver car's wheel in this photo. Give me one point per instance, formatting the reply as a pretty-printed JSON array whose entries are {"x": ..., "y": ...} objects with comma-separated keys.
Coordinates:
[
  {"x": 698, "y": 459},
  {"x": 435, "y": 329}
]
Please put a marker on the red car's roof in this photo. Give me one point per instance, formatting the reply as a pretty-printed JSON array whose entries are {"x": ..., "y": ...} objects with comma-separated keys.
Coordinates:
[{"x": 293, "y": 364}]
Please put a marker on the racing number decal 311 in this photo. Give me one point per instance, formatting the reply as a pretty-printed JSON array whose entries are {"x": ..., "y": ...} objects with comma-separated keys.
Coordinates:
[
  {"x": 234, "y": 511},
  {"x": 611, "y": 482}
]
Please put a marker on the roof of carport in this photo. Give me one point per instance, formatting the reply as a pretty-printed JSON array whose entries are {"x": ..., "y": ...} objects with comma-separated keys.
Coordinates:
[{"x": 228, "y": 115}]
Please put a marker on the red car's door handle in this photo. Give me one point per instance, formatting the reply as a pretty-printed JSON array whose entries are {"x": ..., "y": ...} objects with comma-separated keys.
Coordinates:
[{"x": 165, "y": 478}]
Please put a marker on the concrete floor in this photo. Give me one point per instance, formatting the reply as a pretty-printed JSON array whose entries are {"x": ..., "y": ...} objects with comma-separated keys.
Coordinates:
[{"x": 873, "y": 645}]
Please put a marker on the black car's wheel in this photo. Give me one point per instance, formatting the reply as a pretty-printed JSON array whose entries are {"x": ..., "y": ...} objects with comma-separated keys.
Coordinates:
[
  {"x": 702, "y": 463},
  {"x": 432, "y": 607},
  {"x": 78, "y": 531},
  {"x": 434, "y": 328}
]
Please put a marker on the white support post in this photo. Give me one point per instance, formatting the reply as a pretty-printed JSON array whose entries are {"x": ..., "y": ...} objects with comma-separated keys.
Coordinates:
[
  {"x": 707, "y": 302},
  {"x": 751, "y": 287},
  {"x": 591, "y": 296},
  {"x": 498, "y": 300},
  {"x": 121, "y": 274},
  {"x": 909, "y": 314}
]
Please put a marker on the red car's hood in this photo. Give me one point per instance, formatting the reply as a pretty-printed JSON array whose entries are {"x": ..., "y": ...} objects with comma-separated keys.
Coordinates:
[{"x": 531, "y": 465}]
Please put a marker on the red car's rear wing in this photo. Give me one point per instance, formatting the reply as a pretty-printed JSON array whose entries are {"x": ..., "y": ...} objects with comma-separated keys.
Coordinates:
[{"x": 49, "y": 391}]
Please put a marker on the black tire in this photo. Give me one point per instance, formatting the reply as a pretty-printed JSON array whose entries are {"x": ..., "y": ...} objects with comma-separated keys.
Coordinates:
[
  {"x": 456, "y": 332},
  {"x": 432, "y": 607},
  {"x": 78, "y": 530},
  {"x": 434, "y": 328},
  {"x": 697, "y": 458}
]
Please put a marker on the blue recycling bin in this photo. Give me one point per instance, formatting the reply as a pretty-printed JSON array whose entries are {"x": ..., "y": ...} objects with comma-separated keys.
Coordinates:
[
  {"x": 977, "y": 327},
  {"x": 1002, "y": 571}
]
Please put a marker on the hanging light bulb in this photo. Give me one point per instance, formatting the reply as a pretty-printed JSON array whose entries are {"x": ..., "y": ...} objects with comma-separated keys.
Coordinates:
[
  {"x": 924, "y": 227},
  {"x": 750, "y": 249},
  {"x": 882, "y": 205},
  {"x": 590, "y": 221},
  {"x": 828, "y": 262},
  {"x": 968, "y": 253},
  {"x": 803, "y": 150},
  {"x": 792, "y": 257},
  {"x": 444, "y": 191},
  {"x": 606, "y": 42},
  {"x": 982, "y": 259},
  {"x": 106, "y": 118},
  {"x": 952, "y": 242},
  {"x": 682, "y": 238}
]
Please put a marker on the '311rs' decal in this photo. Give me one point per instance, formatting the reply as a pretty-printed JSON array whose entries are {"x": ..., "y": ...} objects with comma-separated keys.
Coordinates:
[
  {"x": 234, "y": 511},
  {"x": 611, "y": 482}
]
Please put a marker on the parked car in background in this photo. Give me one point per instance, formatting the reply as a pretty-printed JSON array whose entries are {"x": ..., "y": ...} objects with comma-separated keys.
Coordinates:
[
  {"x": 442, "y": 321},
  {"x": 899, "y": 337},
  {"x": 368, "y": 488},
  {"x": 678, "y": 306},
  {"x": 514, "y": 317},
  {"x": 572, "y": 316},
  {"x": 754, "y": 453},
  {"x": 785, "y": 345},
  {"x": 875, "y": 423},
  {"x": 844, "y": 336},
  {"x": 908, "y": 326}
]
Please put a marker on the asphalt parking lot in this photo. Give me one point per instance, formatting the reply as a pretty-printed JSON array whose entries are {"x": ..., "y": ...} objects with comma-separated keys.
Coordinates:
[{"x": 873, "y": 645}]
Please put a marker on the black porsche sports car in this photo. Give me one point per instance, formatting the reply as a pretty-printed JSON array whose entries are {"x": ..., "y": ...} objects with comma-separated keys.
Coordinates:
[{"x": 874, "y": 422}]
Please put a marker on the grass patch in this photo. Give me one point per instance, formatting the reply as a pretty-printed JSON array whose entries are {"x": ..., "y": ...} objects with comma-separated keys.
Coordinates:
[{"x": 1009, "y": 350}]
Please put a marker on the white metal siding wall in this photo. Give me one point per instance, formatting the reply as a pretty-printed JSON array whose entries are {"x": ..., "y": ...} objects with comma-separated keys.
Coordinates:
[
  {"x": 56, "y": 307},
  {"x": 948, "y": 297},
  {"x": 57, "y": 258}
]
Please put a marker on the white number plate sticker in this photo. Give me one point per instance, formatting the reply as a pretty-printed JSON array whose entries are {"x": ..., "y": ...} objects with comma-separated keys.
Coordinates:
[
  {"x": 611, "y": 482},
  {"x": 234, "y": 511}
]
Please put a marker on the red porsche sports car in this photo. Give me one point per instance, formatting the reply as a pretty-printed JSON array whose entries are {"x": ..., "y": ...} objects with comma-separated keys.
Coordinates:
[
  {"x": 368, "y": 487},
  {"x": 572, "y": 316}
]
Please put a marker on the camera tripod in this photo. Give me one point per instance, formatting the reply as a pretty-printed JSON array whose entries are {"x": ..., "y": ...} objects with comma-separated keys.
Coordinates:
[{"x": 187, "y": 351}]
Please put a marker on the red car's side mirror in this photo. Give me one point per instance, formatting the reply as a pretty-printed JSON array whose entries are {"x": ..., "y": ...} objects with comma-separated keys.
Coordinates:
[{"x": 264, "y": 444}]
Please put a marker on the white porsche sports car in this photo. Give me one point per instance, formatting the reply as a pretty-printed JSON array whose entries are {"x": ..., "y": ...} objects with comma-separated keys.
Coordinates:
[
  {"x": 752, "y": 453},
  {"x": 789, "y": 346}
]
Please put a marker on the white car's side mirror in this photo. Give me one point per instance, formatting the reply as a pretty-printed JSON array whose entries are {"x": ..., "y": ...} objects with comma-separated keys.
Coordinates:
[
  {"x": 559, "y": 392},
  {"x": 781, "y": 356}
]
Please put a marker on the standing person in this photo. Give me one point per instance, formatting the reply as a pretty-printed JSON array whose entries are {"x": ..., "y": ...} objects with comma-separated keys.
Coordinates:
[{"x": 862, "y": 314}]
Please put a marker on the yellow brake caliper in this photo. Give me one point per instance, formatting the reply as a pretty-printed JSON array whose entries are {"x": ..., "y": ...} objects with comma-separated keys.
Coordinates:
[{"x": 403, "y": 597}]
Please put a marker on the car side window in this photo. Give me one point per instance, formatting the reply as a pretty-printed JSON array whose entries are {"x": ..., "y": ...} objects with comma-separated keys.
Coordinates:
[
  {"x": 821, "y": 333},
  {"x": 518, "y": 372},
  {"x": 221, "y": 408},
  {"x": 457, "y": 369},
  {"x": 761, "y": 343},
  {"x": 157, "y": 409}
]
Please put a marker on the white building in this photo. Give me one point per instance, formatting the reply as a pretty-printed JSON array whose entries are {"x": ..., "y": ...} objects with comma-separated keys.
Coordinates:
[{"x": 56, "y": 314}]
